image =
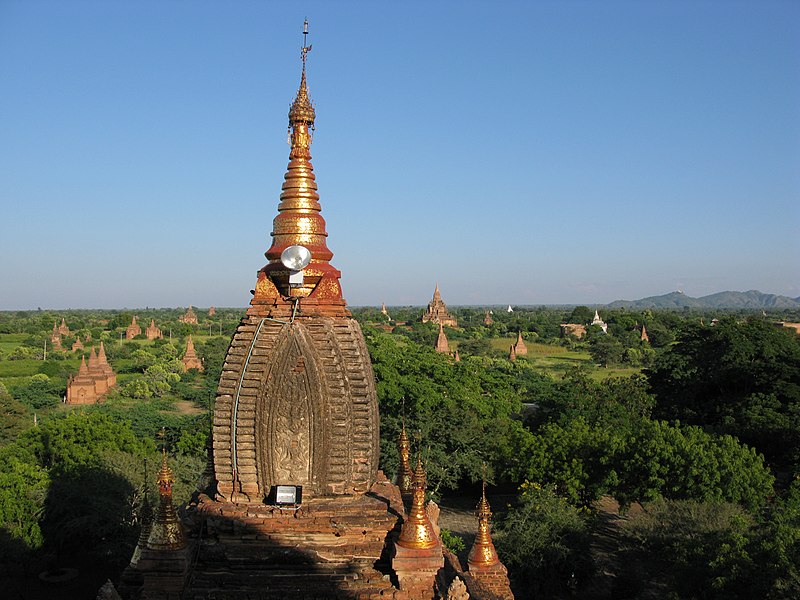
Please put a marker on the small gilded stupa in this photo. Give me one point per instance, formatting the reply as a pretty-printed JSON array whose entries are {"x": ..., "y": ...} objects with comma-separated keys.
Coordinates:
[
  {"x": 417, "y": 555},
  {"x": 482, "y": 561},
  {"x": 405, "y": 474}
]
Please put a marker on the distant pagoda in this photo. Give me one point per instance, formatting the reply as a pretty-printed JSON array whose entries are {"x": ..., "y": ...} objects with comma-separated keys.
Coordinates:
[
  {"x": 437, "y": 311},
  {"x": 133, "y": 329},
  {"x": 442, "y": 345},
  {"x": 190, "y": 360},
  {"x": 92, "y": 381},
  {"x": 189, "y": 317},
  {"x": 63, "y": 329},
  {"x": 77, "y": 344},
  {"x": 153, "y": 332},
  {"x": 520, "y": 349}
]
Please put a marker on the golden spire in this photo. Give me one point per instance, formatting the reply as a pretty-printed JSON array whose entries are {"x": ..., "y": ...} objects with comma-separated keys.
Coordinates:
[
  {"x": 483, "y": 553},
  {"x": 299, "y": 221},
  {"x": 405, "y": 475},
  {"x": 417, "y": 531},
  {"x": 166, "y": 532}
]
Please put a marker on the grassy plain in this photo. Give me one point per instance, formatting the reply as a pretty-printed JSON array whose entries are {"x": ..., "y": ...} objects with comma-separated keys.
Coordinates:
[{"x": 557, "y": 360}]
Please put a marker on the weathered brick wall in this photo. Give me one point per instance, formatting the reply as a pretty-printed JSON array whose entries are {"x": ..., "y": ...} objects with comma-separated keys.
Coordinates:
[{"x": 318, "y": 360}]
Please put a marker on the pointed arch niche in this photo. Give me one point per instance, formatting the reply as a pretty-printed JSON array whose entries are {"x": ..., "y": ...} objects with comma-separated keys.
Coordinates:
[{"x": 291, "y": 415}]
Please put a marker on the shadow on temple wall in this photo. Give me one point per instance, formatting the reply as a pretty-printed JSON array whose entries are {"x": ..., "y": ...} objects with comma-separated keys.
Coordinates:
[{"x": 232, "y": 559}]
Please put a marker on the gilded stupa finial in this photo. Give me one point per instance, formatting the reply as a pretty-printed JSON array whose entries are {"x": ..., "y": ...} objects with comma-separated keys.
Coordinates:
[
  {"x": 302, "y": 110},
  {"x": 299, "y": 221},
  {"x": 417, "y": 531},
  {"x": 483, "y": 553},
  {"x": 166, "y": 532},
  {"x": 405, "y": 475}
]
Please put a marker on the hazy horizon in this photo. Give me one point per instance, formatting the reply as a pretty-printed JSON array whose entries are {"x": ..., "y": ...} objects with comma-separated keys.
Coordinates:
[{"x": 545, "y": 153}]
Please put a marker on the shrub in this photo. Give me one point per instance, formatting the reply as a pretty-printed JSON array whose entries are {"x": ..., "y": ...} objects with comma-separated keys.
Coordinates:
[{"x": 544, "y": 542}]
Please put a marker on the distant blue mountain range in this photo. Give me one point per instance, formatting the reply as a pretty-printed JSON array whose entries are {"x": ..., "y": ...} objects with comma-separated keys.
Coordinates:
[{"x": 752, "y": 299}]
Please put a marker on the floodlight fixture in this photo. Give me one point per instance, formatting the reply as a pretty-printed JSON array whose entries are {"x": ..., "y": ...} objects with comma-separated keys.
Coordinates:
[
  {"x": 285, "y": 495},
  {"x": 296, "y": 258}
]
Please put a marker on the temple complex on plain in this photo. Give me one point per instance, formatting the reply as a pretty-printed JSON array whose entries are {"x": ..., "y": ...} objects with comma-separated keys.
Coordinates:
[
  {"x": 189, "y": 317},
  {"x": 436, "y": 312},
  {"x": 297, "y": 507},
  {"x": 93, "y": 379}
]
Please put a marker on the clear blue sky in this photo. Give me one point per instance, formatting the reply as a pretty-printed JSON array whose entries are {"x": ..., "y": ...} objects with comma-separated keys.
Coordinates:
[{"x": 515, "y": 152}]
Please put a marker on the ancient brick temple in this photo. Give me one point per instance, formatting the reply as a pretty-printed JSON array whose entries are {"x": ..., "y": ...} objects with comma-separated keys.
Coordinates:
[
  {"x": 153, "y": 331},
  {"x": 190, "y": 360},
  {"x": 77, "y": 344},
  {"x": 189, "y": 317},
  {"x": 297, "y": 507},
  {"x": 442, "y": 345},
  {"x": 520, "y": 349},
  {"x": 437, "y": 311},
  {"x": 63, "y": 329},
  {"x": 92, "y": 381},
  {"x": 55, "y": 337},
  {"x": 133, "y": 329}
]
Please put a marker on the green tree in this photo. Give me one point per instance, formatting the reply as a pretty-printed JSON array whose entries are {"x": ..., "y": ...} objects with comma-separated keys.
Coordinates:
[
  {"x": 736, "y": 378},
  {"x": 23, "y": 488},
  {"x": 544, "y": 542}
]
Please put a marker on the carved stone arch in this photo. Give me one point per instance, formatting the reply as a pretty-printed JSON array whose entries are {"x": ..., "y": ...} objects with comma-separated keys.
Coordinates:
[{"x": 291, "y": 415}]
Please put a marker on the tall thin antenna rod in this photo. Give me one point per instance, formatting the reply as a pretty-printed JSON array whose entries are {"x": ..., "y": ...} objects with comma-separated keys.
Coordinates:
[{"x": 306, "y": 48}]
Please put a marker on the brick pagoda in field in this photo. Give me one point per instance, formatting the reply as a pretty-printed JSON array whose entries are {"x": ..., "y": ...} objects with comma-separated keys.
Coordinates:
[
  {"x": 442, "y": 345},
  {"x": 92, "y": 381},
  {"x": 437, "y": 311},
  {"x": 296, "y": 407},
  {"x": 189, "y": 317},
  {"x": 153, "y": 331},
  {"x": 520, "y": 349},
  {"x": 133, "y": 329},
  {"x": 190, "y": 360}
]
